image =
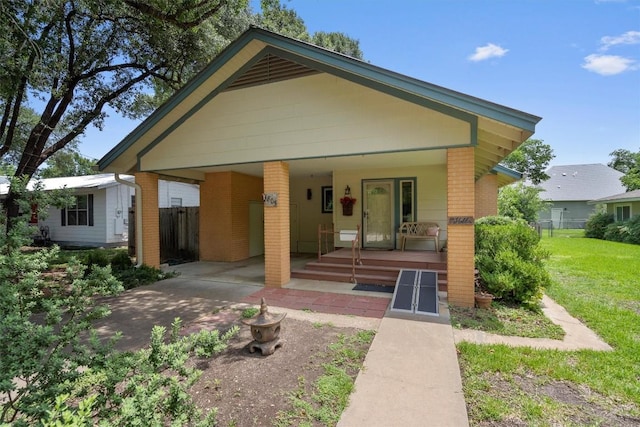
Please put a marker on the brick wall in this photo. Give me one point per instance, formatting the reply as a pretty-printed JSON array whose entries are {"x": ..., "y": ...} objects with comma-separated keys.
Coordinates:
[
  {"x": 487, "y": 196},
  {"x": 460, "y": 237},
  {"x": 224, "y": 215},
  {"x": 150, "y": 218},
  {"x": 276, "y": 225}
]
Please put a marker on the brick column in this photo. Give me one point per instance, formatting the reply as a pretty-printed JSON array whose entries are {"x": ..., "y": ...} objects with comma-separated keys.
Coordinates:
[
  {"x": 277, "y": 262},
  {"x": 487, "y": 195},
  {"x": 460, "y": 237},
  {"x": 150, "y": 218}
]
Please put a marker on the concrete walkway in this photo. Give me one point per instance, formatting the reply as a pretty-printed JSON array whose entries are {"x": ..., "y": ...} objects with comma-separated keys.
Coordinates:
[
  {"x": 577, "y": 335},
  {"x": 410, "y": 378}
]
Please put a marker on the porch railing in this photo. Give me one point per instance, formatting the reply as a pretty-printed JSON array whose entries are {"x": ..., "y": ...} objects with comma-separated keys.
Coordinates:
[{"x": 323, "y": 238}]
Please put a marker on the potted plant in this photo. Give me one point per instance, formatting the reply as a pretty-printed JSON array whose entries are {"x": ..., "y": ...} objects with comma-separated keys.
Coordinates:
[
  {"x": 483, "y": 297},
  {"x": 347, "y": 203}
]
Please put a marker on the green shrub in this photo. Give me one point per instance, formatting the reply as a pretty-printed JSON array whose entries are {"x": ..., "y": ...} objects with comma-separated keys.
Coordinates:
[
  {"x": 96, "y": 258},
  {"x": 134, "y": 277},
  {"x": 596, "y": 225},
  {"x": 509, "y": 260},
  {"x": 624, "y": 231},
  {"x": 634, "y": 230},
  {"x": 121, "y": 261}
]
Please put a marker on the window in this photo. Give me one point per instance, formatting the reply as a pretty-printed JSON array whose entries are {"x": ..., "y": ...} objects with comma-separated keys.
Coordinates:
[
  {"x": 623, "y": 212},
  {"x": 407, "y": 200},
  {"x": 80, "y": 213},
  {"x": 176, "y": 202}
]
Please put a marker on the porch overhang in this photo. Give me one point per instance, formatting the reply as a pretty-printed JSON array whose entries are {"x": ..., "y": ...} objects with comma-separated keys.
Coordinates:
[{"x": 493, "y": 130}]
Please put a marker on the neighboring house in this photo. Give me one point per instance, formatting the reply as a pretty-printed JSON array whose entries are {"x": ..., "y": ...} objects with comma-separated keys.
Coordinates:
[
  {"x": 622, "y": 206},
  {"x": 276, "y": 131},
  {"x": 99, "y": 216},
  {"x": 570, "y": 188}
]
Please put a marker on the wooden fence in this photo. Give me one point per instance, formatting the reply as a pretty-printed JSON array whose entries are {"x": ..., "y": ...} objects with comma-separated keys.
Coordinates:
[{"x": 179, "y": 234}]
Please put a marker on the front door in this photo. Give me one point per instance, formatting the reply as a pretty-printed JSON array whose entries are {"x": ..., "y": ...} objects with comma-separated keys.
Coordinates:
[{"x": 377, "y": 230}]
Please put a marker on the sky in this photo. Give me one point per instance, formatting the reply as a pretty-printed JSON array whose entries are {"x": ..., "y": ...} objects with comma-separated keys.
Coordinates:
[{"x": 575, "y": 63}]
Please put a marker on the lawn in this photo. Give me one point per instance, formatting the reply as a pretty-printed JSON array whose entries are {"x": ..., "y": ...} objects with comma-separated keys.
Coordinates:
[{"x": 598, "y": 283}]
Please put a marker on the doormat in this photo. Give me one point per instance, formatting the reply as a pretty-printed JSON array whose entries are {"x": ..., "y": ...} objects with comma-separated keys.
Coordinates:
[{"x": 373, "y": 288}]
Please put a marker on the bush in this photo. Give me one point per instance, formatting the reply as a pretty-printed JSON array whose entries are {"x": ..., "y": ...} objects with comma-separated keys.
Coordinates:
[
  {"x": 596, "y": 225},
  {"x": 625, "y": 231},
  {"x": 121, "y": 261},
  {"x": 510, "y": 261},
  {"x": 134, "y": 277}
]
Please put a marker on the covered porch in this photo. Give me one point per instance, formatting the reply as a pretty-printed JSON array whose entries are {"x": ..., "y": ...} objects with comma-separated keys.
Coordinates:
[{"x": 275, "y": 152}]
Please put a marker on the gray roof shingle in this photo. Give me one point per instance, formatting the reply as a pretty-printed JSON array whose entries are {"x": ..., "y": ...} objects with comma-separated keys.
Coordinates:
[{"x": 581, "y": 182}]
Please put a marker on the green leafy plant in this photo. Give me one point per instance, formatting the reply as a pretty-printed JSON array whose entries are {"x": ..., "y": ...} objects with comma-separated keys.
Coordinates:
[
  {"x": 57, "y": 372},
  {"x": 596, "y": 225},
  {"x": 510, "y": 261},
  {"x": 624, "y": 231},
  {"x": 248, "y": 313}
]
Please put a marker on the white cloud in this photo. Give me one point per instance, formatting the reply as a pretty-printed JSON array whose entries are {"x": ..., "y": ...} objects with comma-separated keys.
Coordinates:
[
  {"x": 490, "y": 50},
  {"x": 630, "y": 37},
  {"x": 608, "y": 65}
]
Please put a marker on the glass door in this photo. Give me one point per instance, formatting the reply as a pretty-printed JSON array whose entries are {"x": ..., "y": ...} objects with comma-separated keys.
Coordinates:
[{"x": 377, "y": 219}]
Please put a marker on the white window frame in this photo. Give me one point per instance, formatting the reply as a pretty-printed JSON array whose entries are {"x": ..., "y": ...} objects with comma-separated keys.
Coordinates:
[{"x": 175, "y": 202}]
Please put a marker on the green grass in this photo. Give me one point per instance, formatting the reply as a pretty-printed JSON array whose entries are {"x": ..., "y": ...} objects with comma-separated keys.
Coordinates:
[
  {"x": 598, "y": 283},
  {"x": 506, "y": 320}
]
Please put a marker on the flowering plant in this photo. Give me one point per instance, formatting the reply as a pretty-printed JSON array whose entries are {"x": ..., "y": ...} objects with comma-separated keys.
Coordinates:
[{"x": 347, "y": 201}]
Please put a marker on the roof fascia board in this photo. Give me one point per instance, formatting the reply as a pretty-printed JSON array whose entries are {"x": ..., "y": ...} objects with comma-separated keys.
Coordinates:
[{"x": 501, "y": 169}]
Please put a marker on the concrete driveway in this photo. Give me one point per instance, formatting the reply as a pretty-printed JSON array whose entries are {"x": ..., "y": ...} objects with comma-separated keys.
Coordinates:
[{"x": 200, "y": 289}]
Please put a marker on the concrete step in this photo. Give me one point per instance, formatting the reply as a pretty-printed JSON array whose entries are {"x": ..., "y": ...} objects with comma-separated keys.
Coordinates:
[{"x": 345, "y": 277}]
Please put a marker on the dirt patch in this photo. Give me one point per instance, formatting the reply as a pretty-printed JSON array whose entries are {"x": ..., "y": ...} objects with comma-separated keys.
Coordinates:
[
  {"x": 248, "y": 389},
  {"x": 575, "y": 405}
]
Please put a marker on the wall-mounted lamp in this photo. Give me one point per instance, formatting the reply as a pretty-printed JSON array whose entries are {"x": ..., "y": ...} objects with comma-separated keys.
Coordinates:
[
  {"x": 347, "y": 191},
  {"x": 309, "y": 194}
]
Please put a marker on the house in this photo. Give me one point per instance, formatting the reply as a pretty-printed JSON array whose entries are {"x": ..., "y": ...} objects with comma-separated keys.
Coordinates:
[
  {"x": 622, "y": 206},
  {"x": 276, "y": 131},
  {"x": 99, "y": 216},
  {"x": 570, "y": 188}
]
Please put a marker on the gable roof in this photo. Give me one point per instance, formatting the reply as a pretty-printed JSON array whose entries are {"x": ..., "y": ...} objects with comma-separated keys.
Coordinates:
[
  {"x": 629, "y": 196},
  {"x": 581, "y": 182},
  {"x": 260, "y": 56},
  {"x": 97, "y": 181}
]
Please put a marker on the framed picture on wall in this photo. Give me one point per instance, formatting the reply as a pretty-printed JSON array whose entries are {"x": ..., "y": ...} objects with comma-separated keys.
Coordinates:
[{"x": 327, "y": 199}]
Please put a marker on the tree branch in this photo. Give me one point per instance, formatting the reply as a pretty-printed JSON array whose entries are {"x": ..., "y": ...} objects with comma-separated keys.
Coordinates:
[
  {"x": 174, "y": 19},
  {"x": 90, "y": 116}
]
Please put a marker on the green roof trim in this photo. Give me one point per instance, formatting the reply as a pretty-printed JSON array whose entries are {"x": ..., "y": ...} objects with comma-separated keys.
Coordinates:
[
  {"x": 431, "y": 96},
  {"x": 501, "y": 169}
]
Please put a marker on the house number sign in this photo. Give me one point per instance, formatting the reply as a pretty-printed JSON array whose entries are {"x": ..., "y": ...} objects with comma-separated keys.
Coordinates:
[
  {"x": 270, "y": 199},
  {"x": 461, "y": 220}
]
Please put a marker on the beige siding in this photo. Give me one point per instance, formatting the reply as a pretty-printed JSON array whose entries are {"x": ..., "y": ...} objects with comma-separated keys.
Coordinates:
[
  {"x": 302, "y": 118},
  {"x": 431, "y": 187},
  {"x": 309, "y": 211}
]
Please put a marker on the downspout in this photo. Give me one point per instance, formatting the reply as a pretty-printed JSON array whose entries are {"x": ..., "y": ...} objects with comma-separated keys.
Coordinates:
[{"x": 138, "y": 190}]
